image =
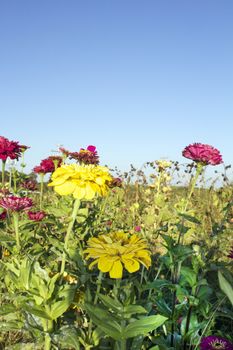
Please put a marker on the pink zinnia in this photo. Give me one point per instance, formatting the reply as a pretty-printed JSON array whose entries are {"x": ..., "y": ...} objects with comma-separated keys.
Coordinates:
[
  {"x": 10, "y": 149},
  {"x": 202, "y": 153},
  {"x": 137, "y": 228},
  {"x": 36, "y": 215},
  {"x": 16, "y": 203}
]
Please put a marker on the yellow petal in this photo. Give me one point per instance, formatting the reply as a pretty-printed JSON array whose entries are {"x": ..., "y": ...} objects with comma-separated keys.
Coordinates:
[
  {"x": 66, "y": 188},
  {"x": 116, "y": 270},
  {"x": 131, "y": 265},
  {"x": 105, "y": 264},
  {"x": 79, "y": 192}
]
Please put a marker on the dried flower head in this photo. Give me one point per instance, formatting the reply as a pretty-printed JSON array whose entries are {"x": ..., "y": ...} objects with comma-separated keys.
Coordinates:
[{"x": 86, "y": 156}]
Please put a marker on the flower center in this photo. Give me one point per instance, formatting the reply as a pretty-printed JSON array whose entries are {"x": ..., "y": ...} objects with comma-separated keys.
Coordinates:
[{"x": 218, "y": 344}]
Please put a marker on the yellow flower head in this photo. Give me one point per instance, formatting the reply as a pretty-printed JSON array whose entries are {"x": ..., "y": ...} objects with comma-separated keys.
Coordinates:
[
  {"x": 82, "y": 181},
  {"x": 116, "y": 250}
]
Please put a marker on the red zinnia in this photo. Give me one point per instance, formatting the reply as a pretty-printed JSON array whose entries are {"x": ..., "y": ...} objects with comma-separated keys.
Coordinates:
[
  {"x": 202, "y": 153},
  {"x": 48, "y": 165},
  {"x": 10, "y": 149},
  {"x": 36, "y": 215},
  {"x": 16, "y": 203}
]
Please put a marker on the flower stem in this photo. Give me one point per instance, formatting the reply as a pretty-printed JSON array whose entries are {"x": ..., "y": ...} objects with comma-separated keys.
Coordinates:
[
  {"x": 3, "y": 172},
  {"x": 99, "y": 280},
  {"x": 41, "y": 189},
  {"x": 16, "y": 227},
  {"x": 68, "y": 233}
]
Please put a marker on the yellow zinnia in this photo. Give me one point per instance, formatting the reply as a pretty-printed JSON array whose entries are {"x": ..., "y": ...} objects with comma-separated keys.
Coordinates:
[
  {"x": 82, "y": 181},
  {"x": 116, "y": 250}
]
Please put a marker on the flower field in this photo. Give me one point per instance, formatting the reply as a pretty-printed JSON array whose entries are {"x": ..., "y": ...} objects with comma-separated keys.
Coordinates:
[{"x": 92, "y": 258}]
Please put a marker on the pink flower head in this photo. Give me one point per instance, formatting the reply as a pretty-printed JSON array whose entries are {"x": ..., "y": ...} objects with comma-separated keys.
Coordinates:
[
  {"x": 36, "y": 215},
  {"x": 215, "y": 343},
  {"x": 48, "y": 165},
  {"x": 3, "y": 215},
  {"x": 86, "y": 156},
  {"x": 202, "y": 153},
  {"x": 10, "y": 149},
  {"x": 16, "y": 203},
  {"x": 137, "y": 228}
]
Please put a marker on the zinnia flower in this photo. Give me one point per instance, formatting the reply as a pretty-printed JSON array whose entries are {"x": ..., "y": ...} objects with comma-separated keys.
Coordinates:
[
  {"x": 16, "y": 203},
  {"x": 48, "y": 165},
  {"x": 112, "y": 252},
  {"x": 10, "y": 149},
  {"x": 137, "y": 228},
  {"x": 36, "y": 215},
  {"x": 202, "y": 153},
  {"x": 83, "y": 182},
  {"x": 215, "y": 343},
  {"x": 86, "y": 156}
]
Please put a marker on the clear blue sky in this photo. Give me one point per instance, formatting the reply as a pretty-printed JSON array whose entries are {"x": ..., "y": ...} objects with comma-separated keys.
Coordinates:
[{"x": 138, "y": 79}]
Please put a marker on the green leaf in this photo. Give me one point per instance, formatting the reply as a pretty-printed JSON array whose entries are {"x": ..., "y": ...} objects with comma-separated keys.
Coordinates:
[
  {"x": 6, "y": 238},
  {"x": 190, "y": 218},
  {"x": 144, "y": 326},
  {"x": 7, "y": 309},
  {"x": 69, "y": 337},
  {"x": 110, "y": 302},
  {"x": 37, "y": 311},
  {"x": 158, "y": 284},
  {"x": 189, "y": 276},
  {"x": 82, "y": 215},
  {"x": 134, "y": 309},
  {"x": 225, "y": 286}
]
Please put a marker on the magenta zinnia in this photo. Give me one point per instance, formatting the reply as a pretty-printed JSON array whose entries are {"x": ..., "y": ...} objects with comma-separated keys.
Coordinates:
[
  {"x": 117, "y": 250},
  {"x": 215, "y": 343},
  {"x": 36, "y": 215},
  {"x": 202, "y": 153},
  {"x": 14, "y": 203}
]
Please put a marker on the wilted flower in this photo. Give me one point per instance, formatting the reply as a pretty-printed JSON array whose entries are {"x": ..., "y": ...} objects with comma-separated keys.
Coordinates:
[
  {"x": 163, "y": 164},
  {"x": 116, "y": 182},
  {"x": 30, "y": 185},
  {"x": 48, "y": 165},
  {"x": 36, "y": 215},
  {"x": 10, "y": 149},
  {"x": 16, "y": 203},
  {"x": 116, "y": 250},
  {"x": 4, "y": 192},
  {"x": 83, "y": 182},
  {"x": 23, "y": 148},
  {"x": 202, "y": 153},
  {"x": 86, "y": 156},
  {"x": 215, "y": 343},
  {"x": 3, "y": 215},
  {"x": 230, "y": 255},
  {"x": 64, "y": 151}
]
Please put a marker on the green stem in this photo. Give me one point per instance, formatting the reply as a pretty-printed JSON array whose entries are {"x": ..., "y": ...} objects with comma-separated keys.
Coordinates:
[
  {"x": 68, "y": 233},
  {"x": 41, "y": 189},
  {"x": 99, "y": 280},
  {"x": 47, "y": 342},
  {"x": 3, "y": 172},
  {"x": 16, "y": 227}
]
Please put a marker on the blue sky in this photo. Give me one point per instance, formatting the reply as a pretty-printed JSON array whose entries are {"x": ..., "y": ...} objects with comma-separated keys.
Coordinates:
[{"x": 138, "y": 79}]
